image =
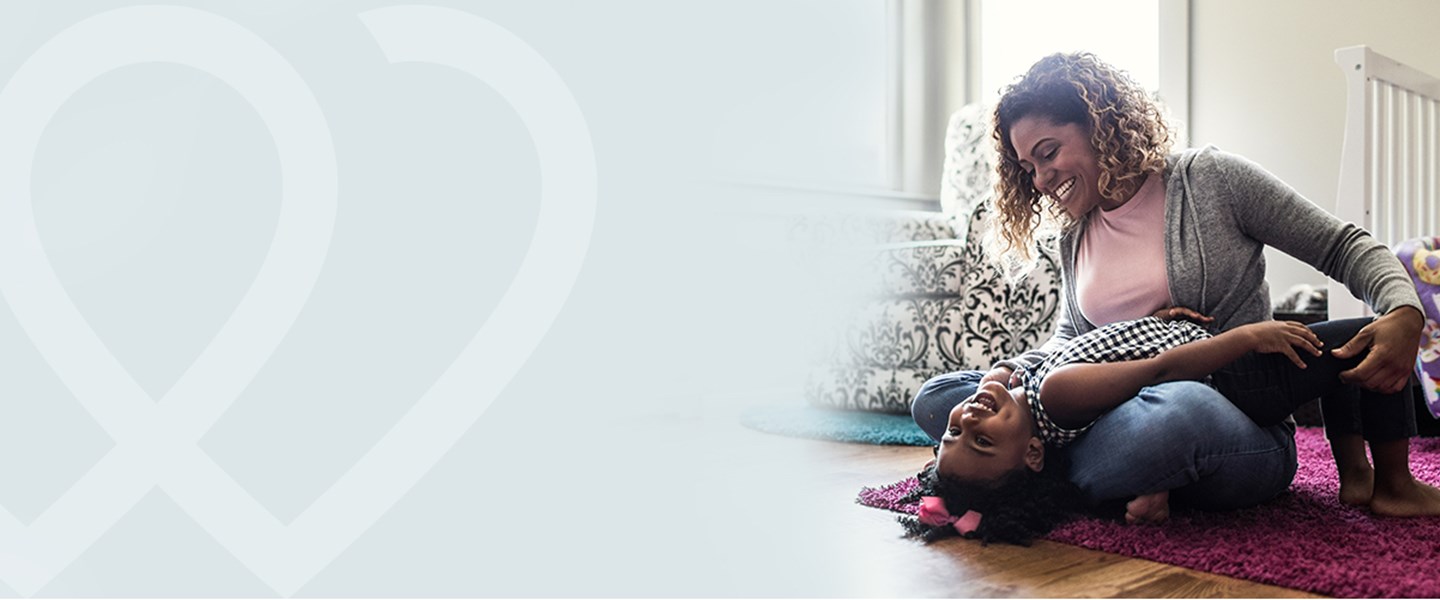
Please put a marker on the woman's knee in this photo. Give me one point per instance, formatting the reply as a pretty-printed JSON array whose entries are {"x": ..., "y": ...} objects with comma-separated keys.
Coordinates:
[
  {"x": 1240, "y": 480},
  {"x": 931, "y": 408},
  {"x": 1193, "y": 406},
  {"x": 1169, "y": 436}
]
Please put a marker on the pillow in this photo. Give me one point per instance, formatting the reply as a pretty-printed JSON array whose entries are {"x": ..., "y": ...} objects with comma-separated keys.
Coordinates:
[{"x": 1421, "y": 258}]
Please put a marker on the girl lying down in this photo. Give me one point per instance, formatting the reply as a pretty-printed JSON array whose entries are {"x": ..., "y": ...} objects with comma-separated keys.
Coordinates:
[{"x": 1000, "y": 474}]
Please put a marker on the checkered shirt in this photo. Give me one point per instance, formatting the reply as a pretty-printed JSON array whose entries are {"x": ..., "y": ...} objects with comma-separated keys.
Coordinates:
[{"x": 1117, "y": 342}]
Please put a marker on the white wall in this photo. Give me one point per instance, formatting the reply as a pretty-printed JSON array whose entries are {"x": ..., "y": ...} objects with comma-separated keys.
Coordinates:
[
  {"x": 803, "y": 96},
  {"x": 1264, "y": 84},
  {"x": 159, "y": 192}
]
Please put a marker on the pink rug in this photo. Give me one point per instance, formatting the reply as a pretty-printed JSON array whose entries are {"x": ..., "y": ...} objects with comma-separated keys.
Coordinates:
[{"x": 1304, "y": 539}]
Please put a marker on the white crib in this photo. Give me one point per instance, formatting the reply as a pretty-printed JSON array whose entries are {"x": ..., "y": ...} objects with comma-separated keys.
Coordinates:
[{"x": 1390, "y": 162}]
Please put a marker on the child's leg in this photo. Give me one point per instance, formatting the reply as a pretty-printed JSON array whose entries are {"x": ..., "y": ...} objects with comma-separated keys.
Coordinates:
[
  {"x": 1268, "y": 387},
  {"x": 1397, "y": 493},
  {"x": 1357, "y": 479},
  {"x": 1340, "y": 409},
  {"x": 1388, "y": 421}
]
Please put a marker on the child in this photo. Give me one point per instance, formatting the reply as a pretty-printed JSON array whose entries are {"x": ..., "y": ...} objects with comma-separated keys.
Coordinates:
[{"x": 992, "y": 460}]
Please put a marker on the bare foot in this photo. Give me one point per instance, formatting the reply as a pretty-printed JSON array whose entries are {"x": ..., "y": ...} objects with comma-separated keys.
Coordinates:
[
  {"x": 1150, "y": 508},
  {"x": 1405, "y": 498},
  {"x": 1357, "y": 485}
]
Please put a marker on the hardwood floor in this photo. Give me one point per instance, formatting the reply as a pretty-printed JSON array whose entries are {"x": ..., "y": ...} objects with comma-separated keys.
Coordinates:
[{"x": 886, "y": 565}]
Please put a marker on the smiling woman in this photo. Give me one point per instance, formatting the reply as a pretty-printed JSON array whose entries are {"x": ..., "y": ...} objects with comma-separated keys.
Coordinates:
[
  {"x": 1079, "y": 139},
  {"x": 1108, "y": 138},
  {"x": 1057, "y": 157}
]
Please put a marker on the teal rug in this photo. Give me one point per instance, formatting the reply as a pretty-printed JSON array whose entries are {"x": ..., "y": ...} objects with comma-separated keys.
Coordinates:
[{"x": 836, "y": 425}]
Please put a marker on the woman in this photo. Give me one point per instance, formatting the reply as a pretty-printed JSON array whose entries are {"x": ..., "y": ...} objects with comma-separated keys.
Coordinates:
[{"x": 1145, "y": 229}]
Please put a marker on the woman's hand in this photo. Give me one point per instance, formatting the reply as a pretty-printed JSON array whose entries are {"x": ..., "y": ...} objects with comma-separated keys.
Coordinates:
[
  {"x": 1004, "y": 375},
  {"x": 1282, "y": 337},
  {"x": 1176, "y": 313},
  {"x": 1393, "y": 341}
]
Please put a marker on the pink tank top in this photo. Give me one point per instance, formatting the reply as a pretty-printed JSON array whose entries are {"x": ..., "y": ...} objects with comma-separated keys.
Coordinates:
[{"x": 1120, "y": 269}]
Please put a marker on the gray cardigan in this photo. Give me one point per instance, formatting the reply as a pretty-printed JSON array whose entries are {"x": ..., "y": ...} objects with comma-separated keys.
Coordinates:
[{"x": 1221, "y": 210}]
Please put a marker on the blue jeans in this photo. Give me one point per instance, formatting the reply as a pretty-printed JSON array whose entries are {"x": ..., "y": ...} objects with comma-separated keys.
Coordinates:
[{"x": 1181, "y": 436}]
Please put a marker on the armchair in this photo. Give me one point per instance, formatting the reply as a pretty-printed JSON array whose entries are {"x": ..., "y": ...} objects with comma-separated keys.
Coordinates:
[{"x": 945, "y": 307}]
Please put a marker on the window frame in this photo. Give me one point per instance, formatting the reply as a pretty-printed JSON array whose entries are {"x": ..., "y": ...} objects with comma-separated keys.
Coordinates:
[
  {"x": 933, "y": 57},
  {"x": 935, "y": 71}
]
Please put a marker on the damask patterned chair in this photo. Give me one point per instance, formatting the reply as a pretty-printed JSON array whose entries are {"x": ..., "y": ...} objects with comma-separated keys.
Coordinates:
[{"x": 946, "y": 307}]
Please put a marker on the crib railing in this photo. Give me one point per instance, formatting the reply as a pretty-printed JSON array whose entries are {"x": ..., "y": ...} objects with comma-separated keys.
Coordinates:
[{"x": 1390, "y": 161}]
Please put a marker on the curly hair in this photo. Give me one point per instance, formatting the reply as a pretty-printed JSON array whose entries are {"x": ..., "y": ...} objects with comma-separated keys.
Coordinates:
[
  {"x": 1126, "y": 127},
  {"x": 1017, "y": 508}
]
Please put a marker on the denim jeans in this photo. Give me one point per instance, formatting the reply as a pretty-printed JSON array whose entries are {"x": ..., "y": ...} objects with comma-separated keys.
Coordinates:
[{"x": 1181, "y": 436}]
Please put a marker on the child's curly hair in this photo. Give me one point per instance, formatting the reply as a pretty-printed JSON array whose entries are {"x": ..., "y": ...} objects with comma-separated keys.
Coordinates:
[
  {"x": 1016, "y": 509},
  {"x": 1126, "y": 127}
]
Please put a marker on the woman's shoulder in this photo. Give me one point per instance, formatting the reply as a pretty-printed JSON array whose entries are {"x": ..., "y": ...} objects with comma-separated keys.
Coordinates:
[
  {"x": 1210, "y": 160},
  {"x": 1204, "y": 175}
]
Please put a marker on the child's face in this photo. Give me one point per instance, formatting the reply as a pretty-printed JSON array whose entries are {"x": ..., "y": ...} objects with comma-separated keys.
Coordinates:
[{"x": 990, "y": 434}]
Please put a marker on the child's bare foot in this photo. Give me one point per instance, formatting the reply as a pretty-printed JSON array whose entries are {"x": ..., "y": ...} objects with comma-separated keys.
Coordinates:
[
  {"x": 1357, "y": 485},
  {"x": 1150, "y": 508},
  {"x": 1405, "y": 498}
]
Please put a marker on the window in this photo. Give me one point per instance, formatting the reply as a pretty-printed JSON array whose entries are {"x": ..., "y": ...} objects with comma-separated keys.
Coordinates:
[
  {"x": 1016, "y": 33},
  {"x": 1150, "y": 39},
  {"x": 853, "y": 96}
]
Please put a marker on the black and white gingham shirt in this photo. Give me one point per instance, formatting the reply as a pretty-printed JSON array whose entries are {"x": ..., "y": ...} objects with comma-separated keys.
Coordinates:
[{"x": 1116, "y": 342}]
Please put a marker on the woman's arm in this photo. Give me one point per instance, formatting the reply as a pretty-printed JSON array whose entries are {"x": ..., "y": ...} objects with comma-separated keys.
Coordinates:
[
  {"x": 1079, "y": 393},
  {"x": 1272, "y": 212}
]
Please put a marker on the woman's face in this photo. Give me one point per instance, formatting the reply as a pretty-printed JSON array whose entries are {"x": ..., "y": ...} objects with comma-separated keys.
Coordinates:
[
  {"x": 989, "y": 435},
  {"x": 1061, "y": 162}
]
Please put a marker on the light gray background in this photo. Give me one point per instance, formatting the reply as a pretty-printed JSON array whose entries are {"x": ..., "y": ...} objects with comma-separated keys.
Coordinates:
[{"x": 602, "y": 468}]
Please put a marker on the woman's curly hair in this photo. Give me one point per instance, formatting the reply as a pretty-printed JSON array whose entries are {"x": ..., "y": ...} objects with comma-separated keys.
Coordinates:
[
  {"x": 1015, "y": 509},
  {"x": 1127, "y": 130}
]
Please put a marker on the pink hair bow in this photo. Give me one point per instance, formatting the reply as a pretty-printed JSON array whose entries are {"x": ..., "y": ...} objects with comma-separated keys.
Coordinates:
[{"x": 934, "y": 514}]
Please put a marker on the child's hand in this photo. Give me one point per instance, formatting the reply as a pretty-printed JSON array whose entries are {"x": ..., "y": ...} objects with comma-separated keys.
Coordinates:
[
  {"x": 1282, "y": 337},
  {"x": 1176, "y": 313}
]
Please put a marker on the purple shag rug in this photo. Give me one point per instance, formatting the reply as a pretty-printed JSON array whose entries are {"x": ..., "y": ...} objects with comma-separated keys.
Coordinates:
[{"x": 1305, "y": 539}]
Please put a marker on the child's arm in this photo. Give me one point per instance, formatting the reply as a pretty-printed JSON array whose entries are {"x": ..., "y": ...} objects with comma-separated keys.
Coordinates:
[{"x": 1079, "y": 393}]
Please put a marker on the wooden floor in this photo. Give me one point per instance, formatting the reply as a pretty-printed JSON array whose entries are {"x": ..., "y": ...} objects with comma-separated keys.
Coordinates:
[{"x": 888, "y": 565}]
